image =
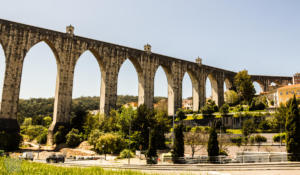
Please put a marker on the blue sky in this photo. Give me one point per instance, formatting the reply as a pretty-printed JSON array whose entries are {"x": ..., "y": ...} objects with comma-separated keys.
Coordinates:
[{"x": 262, "y": 36}]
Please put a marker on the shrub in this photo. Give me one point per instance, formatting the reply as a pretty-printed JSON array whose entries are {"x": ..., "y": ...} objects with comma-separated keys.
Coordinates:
[
  {"x": 126, "y": 153},
  {"x": 258, "y": 139},
  {"x": 33, "y": 131},
  {"x": 224, "y": 109},
  {"x": 42, "y": 138},
  {"x": 276, "y": 138},
  {"x": 94, "y": 136},
  {"x": 237, "y": 141},
  {"x": 223, "y": 153},
  {"x": 27, "y": 121},
  {"x": 110, "y": 143},
  {"x": 73, "y": 138},
  {"x": 265, "y": 125},
  {"x": 59, "y": 136}
]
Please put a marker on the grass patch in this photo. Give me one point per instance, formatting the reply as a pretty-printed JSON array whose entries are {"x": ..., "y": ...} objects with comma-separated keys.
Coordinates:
[
  {"x": 14, "y": 167},
  {"x": 234, "y": 131}
]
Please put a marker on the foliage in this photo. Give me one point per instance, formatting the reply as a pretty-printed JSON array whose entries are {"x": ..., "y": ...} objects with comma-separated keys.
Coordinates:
[
  {"x": 42, "y": 138},
  {"x": 29, "y": 167},
  {"x": 91, "y": 122},
  {"x": 151, "y": 151},
  {"x": 33, "y": 131},
  {"x": 73, "y": 138},
  {"x": 224, "y": 109},
  {"x": 293, "y": 130},
  {"x": 213, "y": 145},
  {"x": 196, "y": 139},
  {"x": 209, "y": 108},
  {"x": 59, "y": 136},
  {"x": 126, "y": 153},
  {"x": 234, "y": 131},
  {"x": 248, "y": 127},
  {"x": 178, "y": 147},
  {"x": 258, "y": 104},
  {"x": 203, "y": 129},
  {"x": 280, "y": 117},
  {"x": 278, "y": 137},
  {"x": 110, "y": 143},
  {"x": 237, "y": 140},
  {"x": 10, "y": 141},
  {"x": 47, "y": 121},
  {"x": 244, "y": 86},
  {"x": 231, "y": 97},
  {"x": 259, "y": 139},
  {"x": 27, "y": 121},
  {"x": 265, "y": 124},
  {"x": 93, "y": 137}
]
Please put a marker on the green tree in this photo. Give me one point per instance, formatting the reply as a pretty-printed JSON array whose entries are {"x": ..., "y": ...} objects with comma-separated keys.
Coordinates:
[
  {"x": 224, "y": 110},
  {"x": 196, "y": 139},
  {"x": 151, "y": 151},
  {"x": 27, "y": 121},
  {"x": 293, "y": 131},
  {"x": 178, "y": 147},
  {"x": 231, "y": 97},
  {"x": 209, "y": 108},
  {"x": 244, "y": 86},
  {"x": 73, "y": 138},
  {"x": 47, "y": 121},
  {"x": 109, "y": 143},
  {"x": 247, "y": 129},
  {"x": 213, "y": 145}
]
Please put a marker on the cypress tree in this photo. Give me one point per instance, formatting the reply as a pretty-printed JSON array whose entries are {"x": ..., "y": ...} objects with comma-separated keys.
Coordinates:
[
  {"x": 213, "y": 145},
  {"x": 293, "y": 130},
  {"x": 151, "y": 152},
  {"x": 178, "y": 148}
]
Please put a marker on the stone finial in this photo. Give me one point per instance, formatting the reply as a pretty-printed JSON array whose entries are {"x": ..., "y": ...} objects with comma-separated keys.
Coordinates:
[
  {"x": 147, "y": 48},
  {"x": 70, "y": 30},
  {"x": 199, "y": 61}
]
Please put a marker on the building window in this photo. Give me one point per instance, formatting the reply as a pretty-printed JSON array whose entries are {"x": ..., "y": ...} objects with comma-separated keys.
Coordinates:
[{"x": 287, "y": 92}]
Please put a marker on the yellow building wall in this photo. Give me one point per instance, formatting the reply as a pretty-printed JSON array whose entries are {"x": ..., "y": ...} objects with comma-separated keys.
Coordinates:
[{"x": 288, "y": 92}]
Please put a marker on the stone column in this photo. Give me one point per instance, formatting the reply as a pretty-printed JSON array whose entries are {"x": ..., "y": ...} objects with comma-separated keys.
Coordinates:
[
  {"x": 175, "y": 90},
  {"x": 202, "y": 90},
  {"x": 10, "y": 93},
  {"x": 108, "y": 94},
  {"x": 63, "y": 91},
  {"x": 220, "y": 101}
]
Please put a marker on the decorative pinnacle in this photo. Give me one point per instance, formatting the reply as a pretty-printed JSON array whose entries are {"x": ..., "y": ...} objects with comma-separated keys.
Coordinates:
[
  {"x": 70, "y": 30},
  {"x": 199, "y": 61},
  {"x": 147, "y": 48}
]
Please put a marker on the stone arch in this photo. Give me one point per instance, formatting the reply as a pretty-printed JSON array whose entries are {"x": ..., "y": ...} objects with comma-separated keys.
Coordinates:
[
  {"x": 214, "y": 87},
  {"x": 50, "y": 45},
  {"x": 228, "y": 83},
  {"x": 195, "y": 89},
  {"x": 171, "y": 97},
  {"x": 139, "y": 71},
  {"x": 96, "y": 57},
  {"x": 261, "y": 86},
  {"x": 2, "y": 68},
  {"x": 31, "y": 53}
]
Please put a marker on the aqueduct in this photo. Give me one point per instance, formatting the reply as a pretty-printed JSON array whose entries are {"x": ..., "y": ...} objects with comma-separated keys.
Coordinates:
[{"x": 17, "y": 39}]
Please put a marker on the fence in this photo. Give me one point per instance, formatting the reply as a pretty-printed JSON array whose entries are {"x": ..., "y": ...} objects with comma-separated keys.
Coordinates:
[{"x": 242, "y": 157}]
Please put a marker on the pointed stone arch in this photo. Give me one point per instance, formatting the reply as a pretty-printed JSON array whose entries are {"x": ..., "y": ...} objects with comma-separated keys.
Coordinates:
[
  {"x": 195, "y": 89},
  {"x": 168, "y": 73},
  {"x": 214, "y": 87},
  {"x": 138, "y": 69}
]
